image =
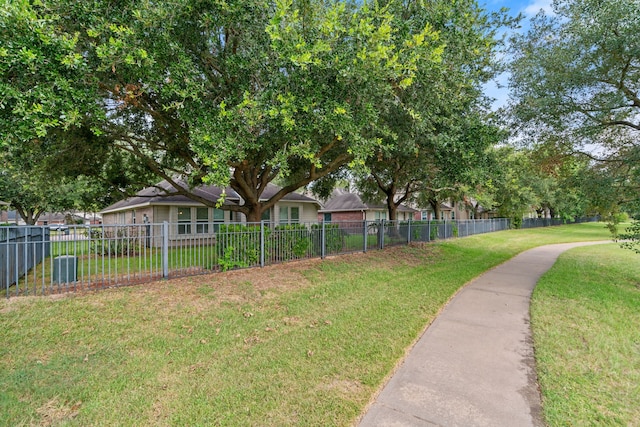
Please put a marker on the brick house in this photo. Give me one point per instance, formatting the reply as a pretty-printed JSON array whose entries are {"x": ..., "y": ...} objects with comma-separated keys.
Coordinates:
[{"x": 344, "y": 206}]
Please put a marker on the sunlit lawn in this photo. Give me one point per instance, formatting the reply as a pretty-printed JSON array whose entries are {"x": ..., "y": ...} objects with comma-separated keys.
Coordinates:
[
  {"x": 586, "y": 324},
  {"x": 296, "y": 344}
]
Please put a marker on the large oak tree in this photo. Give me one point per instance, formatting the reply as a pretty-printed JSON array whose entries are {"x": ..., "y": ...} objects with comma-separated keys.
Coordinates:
[
  {"x": 207, "y": 91},
  {"x": 435, "y": 145}
]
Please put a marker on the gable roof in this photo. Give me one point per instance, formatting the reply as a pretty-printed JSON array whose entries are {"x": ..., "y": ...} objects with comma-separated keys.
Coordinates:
[
  {"x": 164, "y": 194},
  {"x": 343, "y": 201}
]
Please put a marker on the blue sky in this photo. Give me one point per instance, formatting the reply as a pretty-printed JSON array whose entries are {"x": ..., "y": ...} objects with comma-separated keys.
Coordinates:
[{"x": 528, "y": 8}]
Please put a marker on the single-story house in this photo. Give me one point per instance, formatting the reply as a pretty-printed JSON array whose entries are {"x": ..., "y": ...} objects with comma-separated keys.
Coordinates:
[
  {"x": 456, "y": 210},
  {"x": 188, "y": 218},
  {"x": 344, "y": 206},
  {"x": 68, "y": 218}
]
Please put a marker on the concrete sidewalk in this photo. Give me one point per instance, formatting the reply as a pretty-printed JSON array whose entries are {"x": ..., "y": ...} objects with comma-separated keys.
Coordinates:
[{"x": 474, "y": 365}]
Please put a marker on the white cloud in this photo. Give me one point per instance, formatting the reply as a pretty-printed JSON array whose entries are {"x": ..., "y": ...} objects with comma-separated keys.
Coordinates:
[{"x": 533, "y": 8}]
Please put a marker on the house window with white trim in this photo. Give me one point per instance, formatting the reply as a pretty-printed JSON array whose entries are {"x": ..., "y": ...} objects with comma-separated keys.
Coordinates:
[
  {"x": 218, "y": 218},
  {"x": 289, "y": 215},
  {"x": 184, "y": 220},
  {"x": 284, "y": 214},
  {"x": 202, "y": 220}
]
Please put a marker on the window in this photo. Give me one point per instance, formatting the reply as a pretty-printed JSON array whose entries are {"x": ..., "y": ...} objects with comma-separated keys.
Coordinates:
[
  {"x": 184, "y": 220},
  {"x": 381, "y": 215},
  {"x": 133, "y": 216},
  {"x": 453, "y": 215},
  {"x": 327, "y": 217},
  {"x": 218, "y": 218},
  {"x": 284, "y": 214},
  {"x": 266, "y": 215},
  {"x": 424, "y": 215},
  {"x": 295, "y": 214},
  {"x": 202, "y": 220}
]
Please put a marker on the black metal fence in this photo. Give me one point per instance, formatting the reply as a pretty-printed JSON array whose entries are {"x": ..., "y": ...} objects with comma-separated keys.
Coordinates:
[{"x": 37, "y": 261}]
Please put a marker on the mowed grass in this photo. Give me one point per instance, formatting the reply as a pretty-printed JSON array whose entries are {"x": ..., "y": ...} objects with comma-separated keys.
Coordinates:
[
  {"x": 586, "y": 325},
  {"x": 305, "y": 343}
]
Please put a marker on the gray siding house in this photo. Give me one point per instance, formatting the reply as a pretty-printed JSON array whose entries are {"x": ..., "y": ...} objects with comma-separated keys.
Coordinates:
[{"x": 188, "y": 219}]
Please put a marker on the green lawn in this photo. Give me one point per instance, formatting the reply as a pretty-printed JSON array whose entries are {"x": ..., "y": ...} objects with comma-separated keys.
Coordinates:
[
  {"x": 586, "y": 324},
  {"x": 296, "y": 344}
]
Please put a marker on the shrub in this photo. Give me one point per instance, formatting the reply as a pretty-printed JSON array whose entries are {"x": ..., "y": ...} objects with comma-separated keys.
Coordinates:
[
  {"x": 123, "y": 241},
  {"x": 238, "y": 245},
  {"x": 289, "y": 242},
  {"x": 334, "y": 238},
  {"x": 433, "y": 233},
  {"x": 516, "y": 222}
]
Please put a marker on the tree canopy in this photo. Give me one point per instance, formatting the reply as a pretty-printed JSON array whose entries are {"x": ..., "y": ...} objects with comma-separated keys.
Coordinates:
[
  {"x": 212, "y": 91},
  {"x": 436, "y": 142},
  {"x": 576, "y": 74},
  {"x": 576, "y": 83}
]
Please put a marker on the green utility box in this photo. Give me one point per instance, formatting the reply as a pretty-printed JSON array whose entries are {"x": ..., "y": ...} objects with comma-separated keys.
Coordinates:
[{"x": 65, "y": 269}]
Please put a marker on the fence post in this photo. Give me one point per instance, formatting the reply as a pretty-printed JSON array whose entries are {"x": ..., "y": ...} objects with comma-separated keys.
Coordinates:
[
  {"x": 262, "y": 251},
  {"x": 381, "y": 235},
  {"x": 165, "y": 249},
  {"x": 6, "y": 254},
  {"x": 323, "y": 242},
  {"x": 409, "y": 232},
  {"x": 365, "y": 236}
]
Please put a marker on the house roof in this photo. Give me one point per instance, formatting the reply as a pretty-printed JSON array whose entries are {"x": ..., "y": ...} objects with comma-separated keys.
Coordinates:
[
  {"x": 343, "y": 201},
  {"x": 164, "y": 194}
]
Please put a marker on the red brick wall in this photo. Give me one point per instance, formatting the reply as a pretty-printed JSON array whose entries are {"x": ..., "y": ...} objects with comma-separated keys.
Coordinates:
[{"x": 343, "y": 216}]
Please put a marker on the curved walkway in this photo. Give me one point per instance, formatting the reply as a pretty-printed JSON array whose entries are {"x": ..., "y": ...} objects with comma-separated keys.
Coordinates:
[{"x": 474, "y": 365}]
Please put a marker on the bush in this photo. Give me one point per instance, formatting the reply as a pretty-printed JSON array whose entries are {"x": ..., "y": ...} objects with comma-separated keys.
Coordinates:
[
  {"x": 333, "y": 238},
  {"x": 433, "y": 233},
  {"x": 123, "y": 241},
  {"x": 238, "y": 245},
  {"x": 289, "y": 242}
]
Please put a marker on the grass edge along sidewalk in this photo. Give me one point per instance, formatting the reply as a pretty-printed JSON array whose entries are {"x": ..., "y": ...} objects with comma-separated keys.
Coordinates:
[
  {"x": 298, "y": 344},
  {"x": 585, "y": 314}
]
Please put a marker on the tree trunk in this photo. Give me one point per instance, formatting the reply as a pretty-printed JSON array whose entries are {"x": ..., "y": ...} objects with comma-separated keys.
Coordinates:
[
  {"x": 29, "y": 216},
  {"x": 475, "y": 210},
  {"x": 435, "y": 205},
  {"x": 393, "y": 209},
  {"x": 254, "y": 214}
]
